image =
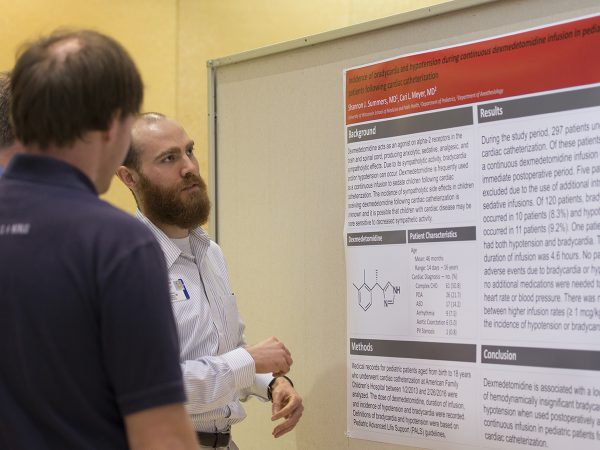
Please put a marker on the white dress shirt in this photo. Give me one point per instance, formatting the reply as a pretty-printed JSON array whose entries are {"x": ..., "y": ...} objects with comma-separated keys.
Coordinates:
[{"x": 217, "y": 370}]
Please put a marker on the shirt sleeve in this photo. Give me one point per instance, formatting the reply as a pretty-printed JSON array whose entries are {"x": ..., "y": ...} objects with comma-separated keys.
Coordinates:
[
  {"x": 258, "y": 388},
  {"x": 261, "y": 381},
  {"x": 139, "y": 338},
  {"x": 212, "y": 382}
]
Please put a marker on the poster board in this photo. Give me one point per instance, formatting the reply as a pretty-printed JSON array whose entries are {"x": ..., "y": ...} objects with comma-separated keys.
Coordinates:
[
  {"x": 279, "y": 169},
  {"x": 472, "y": 218}
]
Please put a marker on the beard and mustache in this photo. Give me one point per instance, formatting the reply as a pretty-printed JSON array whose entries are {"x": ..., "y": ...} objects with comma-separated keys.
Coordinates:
[{"x": 168, "y": 206}]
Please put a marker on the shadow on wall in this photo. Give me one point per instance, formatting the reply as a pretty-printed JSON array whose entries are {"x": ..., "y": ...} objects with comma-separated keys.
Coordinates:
[{"x": 323, "y": 425}]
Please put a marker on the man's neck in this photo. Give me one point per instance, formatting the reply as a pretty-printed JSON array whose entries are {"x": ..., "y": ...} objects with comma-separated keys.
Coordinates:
[
  {"x": 174, "y": 232},
  {"x": 171, "y": 231},
  {"x": 83, "y": 155},
  {"x": 7, "y": 153}
]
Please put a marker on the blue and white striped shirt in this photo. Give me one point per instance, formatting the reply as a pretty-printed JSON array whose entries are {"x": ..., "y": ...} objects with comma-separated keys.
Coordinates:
[{"x": 217, "y": 370}]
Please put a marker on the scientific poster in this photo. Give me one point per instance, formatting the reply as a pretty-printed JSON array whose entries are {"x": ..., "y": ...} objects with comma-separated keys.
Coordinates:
[{"x": 473, "y": 243}]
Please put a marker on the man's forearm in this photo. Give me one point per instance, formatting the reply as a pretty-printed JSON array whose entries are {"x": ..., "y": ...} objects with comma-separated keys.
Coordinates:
[{"x": 212, "y": 382}]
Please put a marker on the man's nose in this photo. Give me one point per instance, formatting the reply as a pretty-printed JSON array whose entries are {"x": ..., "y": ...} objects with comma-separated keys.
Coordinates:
[{"x": 189, "y": 166}]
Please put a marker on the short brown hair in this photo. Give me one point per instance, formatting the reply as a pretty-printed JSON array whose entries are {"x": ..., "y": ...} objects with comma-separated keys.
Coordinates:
[
  {"x": 7, "y": 135},
  {"x": 59, "y": 95}
]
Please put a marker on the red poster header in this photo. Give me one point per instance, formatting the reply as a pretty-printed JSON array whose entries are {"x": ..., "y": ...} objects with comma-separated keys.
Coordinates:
[{"x": 545, "y": 59}]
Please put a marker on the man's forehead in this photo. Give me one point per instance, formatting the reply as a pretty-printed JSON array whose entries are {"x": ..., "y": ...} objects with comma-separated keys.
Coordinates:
[{"x": 157, "y": 136}]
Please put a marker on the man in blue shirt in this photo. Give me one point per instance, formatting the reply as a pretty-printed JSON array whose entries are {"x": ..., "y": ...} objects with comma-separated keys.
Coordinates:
[
  {"x": 9, "y": 146},
  {"x": 88, "y": 343}
]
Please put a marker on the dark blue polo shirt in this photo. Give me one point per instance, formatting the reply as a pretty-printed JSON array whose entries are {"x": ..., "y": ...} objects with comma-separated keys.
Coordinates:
[{"x": 86, "y": 328}]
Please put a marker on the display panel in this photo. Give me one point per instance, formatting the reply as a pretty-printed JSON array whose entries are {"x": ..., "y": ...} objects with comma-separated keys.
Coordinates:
[{"x": 473, "y": 243}]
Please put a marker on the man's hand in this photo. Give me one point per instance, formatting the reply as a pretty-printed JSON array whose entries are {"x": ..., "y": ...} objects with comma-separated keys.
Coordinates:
[
  {"x": 271, "y": 355},
  {"x": 287, "y": 404}
]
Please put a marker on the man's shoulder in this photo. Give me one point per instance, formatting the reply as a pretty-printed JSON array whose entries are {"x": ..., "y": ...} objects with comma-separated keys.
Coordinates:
[
  {"x": 213, "y": 249},
  {"x": 65, "y": 210},
  {"x": 106, "y": 213},
  {"x": 106, "y": 228},
  {"x": 120, "y": 224},
  {"x": 216, "y": 258},
  {"x": 109, "y": 213},
  {"x": 67, "y": 204}
]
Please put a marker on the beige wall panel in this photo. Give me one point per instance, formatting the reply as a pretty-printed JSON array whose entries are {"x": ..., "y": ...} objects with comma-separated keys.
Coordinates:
[
  {"x": 212, "y": 29},
  {"x": 147, "y": 28},
  {"x": 362, "y": 11}
]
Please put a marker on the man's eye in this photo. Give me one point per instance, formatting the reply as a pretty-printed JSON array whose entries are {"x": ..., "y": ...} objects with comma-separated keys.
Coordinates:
[
  {"x": 190, "y": 151},
  {"x": 169, "y": 158}
]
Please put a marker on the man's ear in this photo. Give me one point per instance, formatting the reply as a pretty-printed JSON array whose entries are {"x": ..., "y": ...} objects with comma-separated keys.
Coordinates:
[
  {"x": 127, "y": 176},
  {"x": 113, "y": 127}
]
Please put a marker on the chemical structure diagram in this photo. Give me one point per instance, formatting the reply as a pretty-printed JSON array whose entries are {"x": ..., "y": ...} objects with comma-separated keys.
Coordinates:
[{"x": 369, "y": 294}]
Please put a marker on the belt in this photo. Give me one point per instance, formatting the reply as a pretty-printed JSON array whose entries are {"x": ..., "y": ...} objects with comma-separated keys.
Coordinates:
[{"x": 214, "y": 440}]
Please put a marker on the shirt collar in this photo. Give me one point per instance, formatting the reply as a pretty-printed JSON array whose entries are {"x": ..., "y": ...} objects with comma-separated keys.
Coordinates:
[
  {"x": 47, "y": 170},
  {"x": 199, "y": 241}
]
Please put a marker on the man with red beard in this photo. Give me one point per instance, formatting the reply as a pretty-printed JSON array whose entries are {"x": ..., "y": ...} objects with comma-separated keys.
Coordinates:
[{"x": 219, "y": 370}]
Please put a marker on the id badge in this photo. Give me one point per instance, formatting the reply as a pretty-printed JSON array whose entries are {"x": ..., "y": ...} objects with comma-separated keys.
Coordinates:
[{"x": 178, "y": 290}]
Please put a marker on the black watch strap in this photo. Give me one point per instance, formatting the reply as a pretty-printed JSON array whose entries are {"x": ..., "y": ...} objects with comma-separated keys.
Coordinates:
[{"x": 270, "y": 387}]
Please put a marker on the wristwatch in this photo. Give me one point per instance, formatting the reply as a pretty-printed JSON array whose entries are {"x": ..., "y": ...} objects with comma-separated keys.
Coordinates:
[{"x": 270, "y": 387}]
